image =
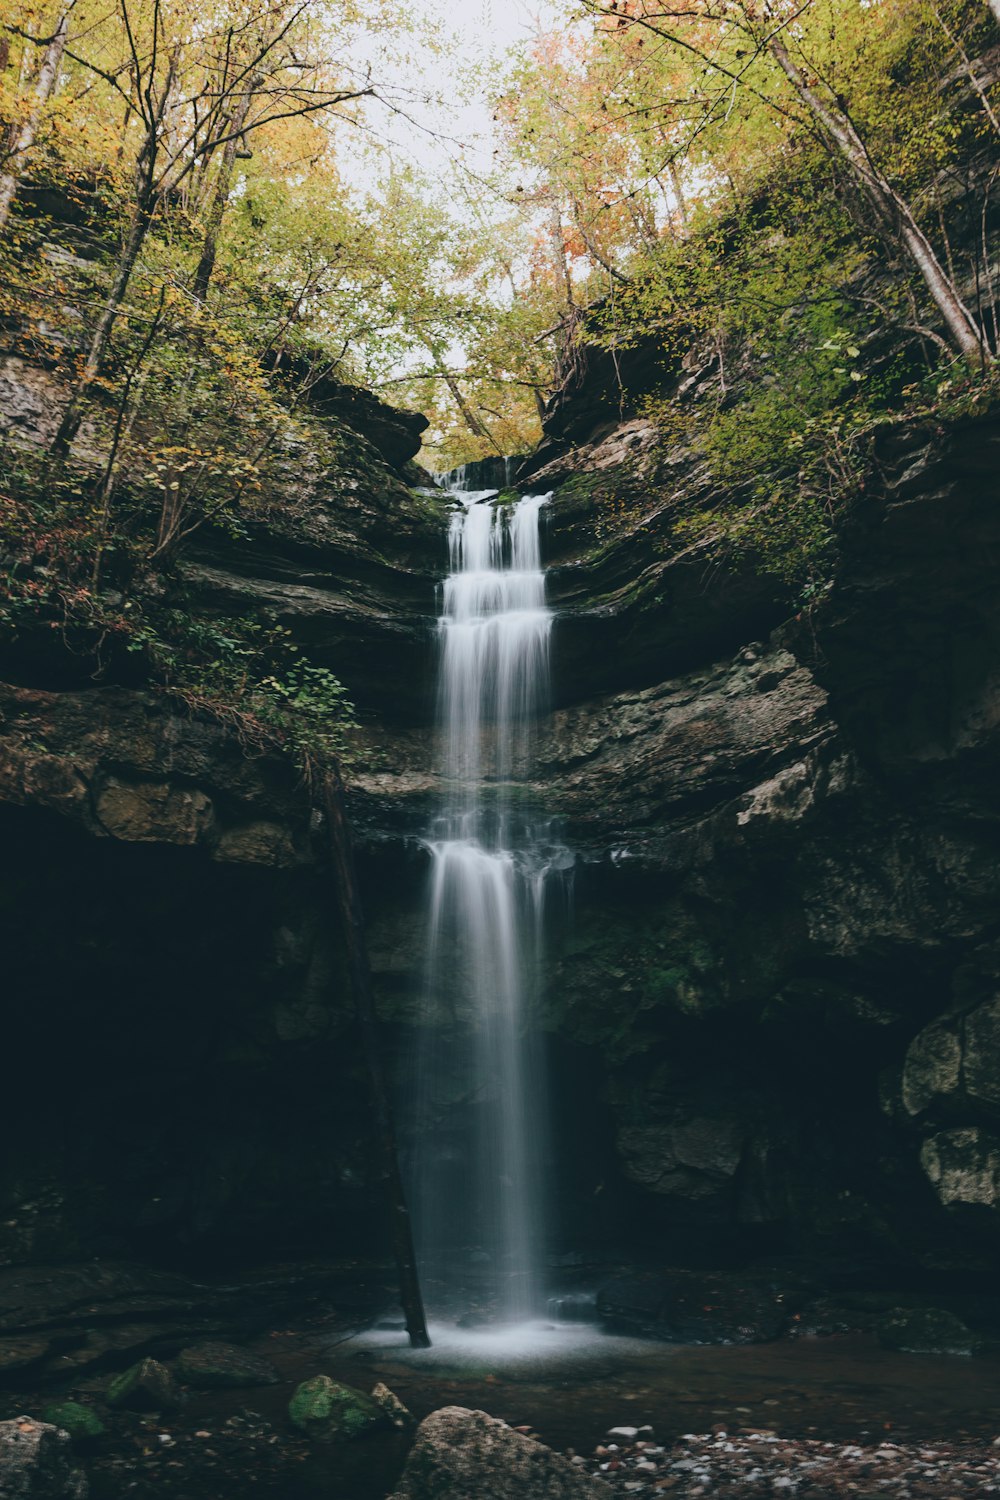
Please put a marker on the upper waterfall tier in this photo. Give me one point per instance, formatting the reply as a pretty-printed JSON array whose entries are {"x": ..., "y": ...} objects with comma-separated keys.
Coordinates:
[{"x": 495, "y": 628}]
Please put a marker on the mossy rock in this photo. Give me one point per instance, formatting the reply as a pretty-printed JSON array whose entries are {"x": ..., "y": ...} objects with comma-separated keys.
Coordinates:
[
  {"x": 79, "y": 1421},
  {"x": 144, "y": 1386},
  {"x": 224, "y": 1367},
  {"x": 925, "y": 1330},
  {"x": 326, "y": 1410}
]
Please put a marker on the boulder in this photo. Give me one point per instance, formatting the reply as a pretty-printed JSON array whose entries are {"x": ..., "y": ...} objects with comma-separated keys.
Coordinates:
[
  {"x": 393, "y": 432},
  {"x": 36, "y": 1463},
  {"x": 325, "y": 1410},
  {"x": 144, "y": 1386},
  {"x": 216, "y": 1365},
  {"x": 955, "y": 1057},
  {"x": 689, "y": 1158},
  {"x": 79, "y": 1421},
  {"x": 399, "y": 1415},
  {"x": 963, "y": 1167},
  {"x": 982, "y": 1054},
  {"x": 466, "y": 1455},
  {"x": 925, "y": 1330},
  {"x": 932, "y": 1068}
]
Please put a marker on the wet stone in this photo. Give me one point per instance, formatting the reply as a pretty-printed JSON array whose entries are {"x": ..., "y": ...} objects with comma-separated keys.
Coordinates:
[
  {"x": 36, "y": 1463},
  {"x": 144, "y": 1386}
]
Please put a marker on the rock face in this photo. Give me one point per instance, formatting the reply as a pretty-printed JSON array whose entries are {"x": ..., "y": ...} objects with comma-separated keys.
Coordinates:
[
  {"x": 36, "y": 1463},
  {"x": 786, "y": 831},
  {"x": 176, "y": 973},
  {"x": 774, "y": 1015},
  {"x": 463, "y": 1455}
]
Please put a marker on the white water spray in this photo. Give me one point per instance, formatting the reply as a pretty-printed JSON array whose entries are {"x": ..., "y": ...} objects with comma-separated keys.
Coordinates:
[{"x": 485, "y": 1197}]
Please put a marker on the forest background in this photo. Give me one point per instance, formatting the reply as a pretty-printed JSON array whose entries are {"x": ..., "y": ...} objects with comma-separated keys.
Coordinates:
[{"x": 208, "y": 212}]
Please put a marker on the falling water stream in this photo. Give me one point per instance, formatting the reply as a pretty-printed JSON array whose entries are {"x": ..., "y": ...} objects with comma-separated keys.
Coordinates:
[{"x": 490, "y": 863}]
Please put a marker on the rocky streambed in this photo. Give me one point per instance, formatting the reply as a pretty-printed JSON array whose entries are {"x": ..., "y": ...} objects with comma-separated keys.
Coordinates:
[{"x": 192, "y": 1390}]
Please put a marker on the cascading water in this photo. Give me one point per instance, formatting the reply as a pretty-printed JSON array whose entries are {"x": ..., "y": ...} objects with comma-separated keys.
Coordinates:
[{"x": 484, "y": 1197}]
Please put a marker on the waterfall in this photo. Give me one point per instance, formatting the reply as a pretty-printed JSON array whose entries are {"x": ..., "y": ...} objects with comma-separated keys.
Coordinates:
[{"x": 483, "y": 1195}]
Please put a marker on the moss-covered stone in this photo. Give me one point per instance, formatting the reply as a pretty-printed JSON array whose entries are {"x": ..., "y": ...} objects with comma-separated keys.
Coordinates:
[
  {"x": 79, "y": 1421},
  {"x": 326, "y": 1410},
  {"x": 144, "y": 1386}
]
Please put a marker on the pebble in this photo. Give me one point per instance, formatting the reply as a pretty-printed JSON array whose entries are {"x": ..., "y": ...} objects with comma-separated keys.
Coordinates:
[{"x": 761, "y": 1465}]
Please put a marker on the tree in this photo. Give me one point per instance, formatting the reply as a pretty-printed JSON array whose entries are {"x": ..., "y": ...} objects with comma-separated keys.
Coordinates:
[
  {"x": 23, "y": 137},
  {"x": 233, "y": 126},
  {"x": 892, "y": 212},
  {"x": 196, "y": 89},
  {"x": 727, "y": 44}
]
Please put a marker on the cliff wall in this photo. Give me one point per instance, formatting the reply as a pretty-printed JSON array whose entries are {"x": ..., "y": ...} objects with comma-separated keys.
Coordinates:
[{"x": 774, "y": 1015}]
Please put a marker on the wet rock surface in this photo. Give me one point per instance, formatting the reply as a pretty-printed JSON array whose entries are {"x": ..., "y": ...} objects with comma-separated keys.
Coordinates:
[
  {"x": 925, "y": 1330},
  {"x": 694, "y": 1307}
]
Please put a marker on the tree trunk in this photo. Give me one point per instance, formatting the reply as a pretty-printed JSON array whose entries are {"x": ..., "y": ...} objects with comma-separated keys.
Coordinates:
[
  {"x": 558, "y": 242},
  {"x": 220, "y": 197},
  {"x": 967, "y": 64},
  {"x": 142, "y": 217},
  {"x": 25, "y": 137},
  {"x": 675, "y": 183},
  {"x": 891, "y": 211},
  {"x": 995, "y": 8},
  {"x": 474, "y": 423},
  {"x": 348, "y": 900},
  {"x": 591, "y": 248}
]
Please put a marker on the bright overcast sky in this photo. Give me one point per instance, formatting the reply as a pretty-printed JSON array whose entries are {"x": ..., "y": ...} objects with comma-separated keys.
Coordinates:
[{"x": 480, "y": 32}]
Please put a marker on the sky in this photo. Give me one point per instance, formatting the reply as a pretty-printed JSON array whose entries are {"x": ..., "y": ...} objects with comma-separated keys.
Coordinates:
[{"x": 479, "y": 32}]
